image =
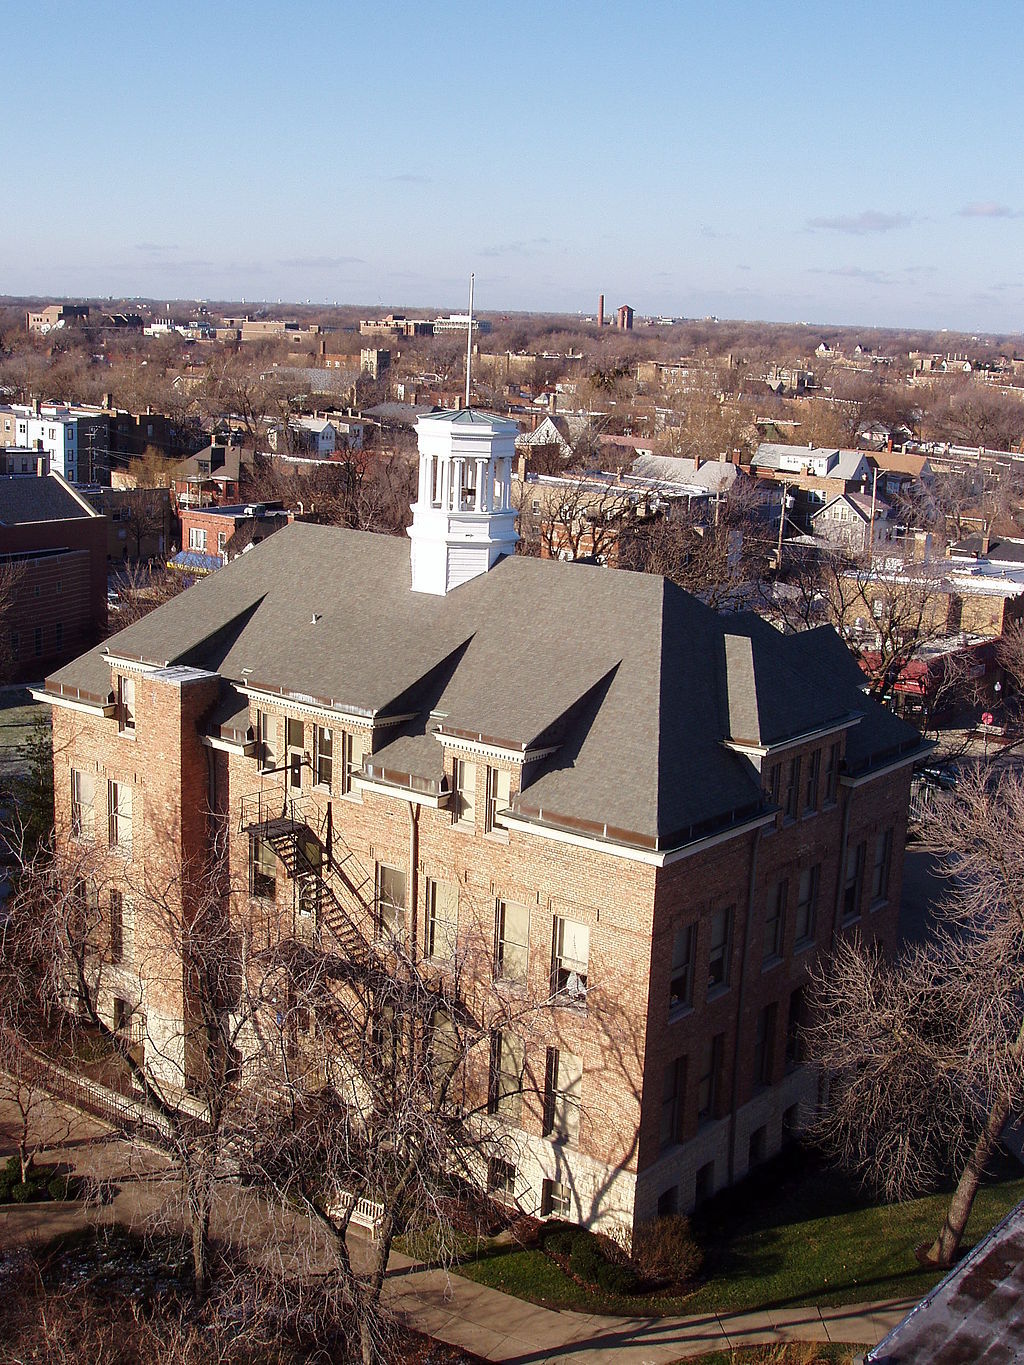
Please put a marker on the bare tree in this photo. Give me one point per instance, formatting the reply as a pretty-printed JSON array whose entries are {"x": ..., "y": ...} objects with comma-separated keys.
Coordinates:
[
  {"x": 926, "y": 1054},
  {"x": 720, "y": 551}
]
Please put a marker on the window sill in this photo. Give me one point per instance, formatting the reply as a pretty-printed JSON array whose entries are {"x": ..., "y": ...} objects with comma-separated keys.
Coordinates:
[
  {"x": 561, "y": 1001},
  {"x": 880, "y": 904},
  {"x": 496, "y": 836},
  {"x": 126, "y": 734},
  {"x": 716, "y": 992},
  {"x": 804, "y": 946},
  {"x": 677, "y": 1012}
]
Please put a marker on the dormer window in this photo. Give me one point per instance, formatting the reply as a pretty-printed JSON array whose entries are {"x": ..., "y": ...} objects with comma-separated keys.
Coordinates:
[{"x": 126, "y": 705}]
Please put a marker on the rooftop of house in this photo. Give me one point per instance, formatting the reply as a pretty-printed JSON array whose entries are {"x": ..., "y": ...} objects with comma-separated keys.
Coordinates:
[
  {"x": 716, "y": 476},
  {"x": 861, "y": 504},
  {"x": 996, "y": 551},
  {"x": 27, "y": 498},
  {"x": 625, "y": 687},
  {"x": 973, "y": 1314},
  {"x": 833, "y": 462}
]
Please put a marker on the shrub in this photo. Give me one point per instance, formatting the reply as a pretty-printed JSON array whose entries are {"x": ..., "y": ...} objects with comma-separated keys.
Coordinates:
[
  {"x": 12, "y": 1169},
  {"x": 585, "y": 1256},
  {"x": 616, "y": 1279},
  {"x": 667, "y": 1250},
  {"x": 62, "y": 1187},
  {"x": 22, "y": 1192},
  {"x": 558, "y": 1238}
]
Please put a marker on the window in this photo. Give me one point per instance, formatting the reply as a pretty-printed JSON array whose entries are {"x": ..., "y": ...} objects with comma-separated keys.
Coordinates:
[
  {"x": 38, "y": 639},
  {"x": 562, "y": 1086},
  {"x": 444, "y": 1053},
  {"x": 555, "y": 1200},
  {"x": 294, "y": 739},
  {"x": 464, "y": 794},
  {"x": 680, "y": 984},
  {"x": 794, "y": 1023},
  {"x": 773, "y": 783},
  {"x": 266, "y": 740},
  {"x": 512, "y": 942},
  {"x": 718, "y": 952},
  {"x": 709, "y": 1082},
  {"x": 222, "y": 540},
  {"x": 116, "y": 926},
  {"x": 196, "y": 538},
  {"x": 323, "y": 756},
  {"x": 811, "y": 781},
  {"x": 775, "y": 921},
  {"x": 853, "y": 883},
  {"x": 668, "y": 1202},
  {"x": 508, "y": 1061},
  {"x": 757, "y": 1146},
  {"x": 442, "y": 902},
  {"x": 390, "y": 901},
  {"x": 880, "y": 872},
  {"x": 58, "y": 635},
  {"x": 498, "y": 784},
  {"x": 807, "y": 905},
  {"x": 262, "y": 869},
  {"x": 347, "y": 764},
  {"x": 704, "y": 1184},
  {"x": 792, "y": 789},
  {"x": 15, "y": 646},
  {"x": 501, "y": 1177},
  {"x": 126, "y": 705},
  {"x": 82, "y": 794},
  {"x": 570, "y": 960},
  {"x": 119, "y": 816},
  {"x": 832, "y": 774},
  {"x": 764, "y": 1046},
  {"x": 673, "y": 1093}
]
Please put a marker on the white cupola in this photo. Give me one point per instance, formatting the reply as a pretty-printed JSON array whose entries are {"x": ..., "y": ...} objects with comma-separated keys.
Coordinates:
[{"x": 462, "y": 520}]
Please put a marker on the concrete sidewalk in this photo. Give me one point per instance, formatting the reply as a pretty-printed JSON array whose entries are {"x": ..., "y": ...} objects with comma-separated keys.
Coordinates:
[{"x": 472, "y": 1316}]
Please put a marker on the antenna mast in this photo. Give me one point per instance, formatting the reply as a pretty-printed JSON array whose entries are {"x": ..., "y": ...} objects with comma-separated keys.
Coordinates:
[{"x": 469, "y": 341}]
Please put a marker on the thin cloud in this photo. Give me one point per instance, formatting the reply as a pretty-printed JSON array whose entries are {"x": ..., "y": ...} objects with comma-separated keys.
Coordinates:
[
  {"x": 854, "y": 272},
  {"x": 320, "y": 262},
  {"x": 525, "y": 248},
  {"x": 870, "y": 220},
  {"x": 409, "y": 178},
  {"x": 988, "y": 208},
  {"x": 156, "y": 247}
]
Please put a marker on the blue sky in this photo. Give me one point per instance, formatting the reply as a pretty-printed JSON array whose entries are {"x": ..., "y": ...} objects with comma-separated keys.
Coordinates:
[{"x": 829, "y": 162}]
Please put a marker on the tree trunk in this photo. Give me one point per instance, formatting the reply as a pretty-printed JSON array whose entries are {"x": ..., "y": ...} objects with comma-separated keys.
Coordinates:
[
  {"x": 24, "y": 1156},
  {"x": 947, "y": 1243},
  {"x": 199, "y": 1218}
]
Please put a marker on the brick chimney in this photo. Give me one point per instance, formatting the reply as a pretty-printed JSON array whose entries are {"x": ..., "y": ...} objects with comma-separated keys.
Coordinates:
[
  {"x": 985, "y": 538},
  {"x": 600, "y": 310}
]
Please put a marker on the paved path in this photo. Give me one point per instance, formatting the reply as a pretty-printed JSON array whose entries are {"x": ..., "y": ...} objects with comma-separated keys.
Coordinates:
[{"x": 472, "y": 1316}]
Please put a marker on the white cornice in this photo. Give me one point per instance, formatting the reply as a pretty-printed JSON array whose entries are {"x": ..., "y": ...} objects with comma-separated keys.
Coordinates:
[
  {"x": 652, "y": 857},
  {"x": 70, "y": 704}
]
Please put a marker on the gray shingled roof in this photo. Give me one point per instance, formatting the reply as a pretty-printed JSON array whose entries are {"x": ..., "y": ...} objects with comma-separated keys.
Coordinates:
[
  {"x": 27, "y": 498},
  {"x": 624, "y": 673}
]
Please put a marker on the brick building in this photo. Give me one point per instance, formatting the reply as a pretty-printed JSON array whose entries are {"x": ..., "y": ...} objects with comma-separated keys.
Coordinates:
[
  {"x": 53, "y": 553},
  {"x": 652, "y": 816}
]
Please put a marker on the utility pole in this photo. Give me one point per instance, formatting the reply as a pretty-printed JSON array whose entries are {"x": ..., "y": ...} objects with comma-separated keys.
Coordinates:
[
  {"x": 871, "y": 525},
  {"x": 782, "y": 525}
]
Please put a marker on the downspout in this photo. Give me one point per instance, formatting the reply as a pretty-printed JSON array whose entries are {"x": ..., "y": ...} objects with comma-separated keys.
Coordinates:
[
  {"x": 740, "y": 994},
  {"x": 414, "y": 815},
  {"x": 844, "y": 840}
]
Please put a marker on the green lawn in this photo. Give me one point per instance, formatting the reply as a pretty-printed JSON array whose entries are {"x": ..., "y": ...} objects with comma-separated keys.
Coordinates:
[{"x": 801, "y": 1239}]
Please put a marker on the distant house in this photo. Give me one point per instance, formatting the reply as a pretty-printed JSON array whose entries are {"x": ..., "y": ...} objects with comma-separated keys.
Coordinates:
[
  {"x": 564, "y": 432},
  {"x": 53, "y": 556},
  {"x": 849, "y": 522},
  {"x": 812, "y": 474},
  {"x": 211, "y": 477},
  {"x": 224, "y": 532}
]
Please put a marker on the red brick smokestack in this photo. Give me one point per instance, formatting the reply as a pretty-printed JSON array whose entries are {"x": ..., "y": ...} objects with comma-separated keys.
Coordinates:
[{"x": 600, "y": 310}]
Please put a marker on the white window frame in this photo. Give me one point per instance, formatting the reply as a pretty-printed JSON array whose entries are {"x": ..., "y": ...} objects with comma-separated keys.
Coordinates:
[
  {"x": 682, "y": 970},
  {"x": 119, "y": 816},
  {"x": 570, "y": 961},
  {"x": 83, "y": 810},
  {"x": 441, "y": 921},
  {"x": 390, "y": 912},
  {"x": 510, "y": 952},
  {"x": 463, "y": 792}
]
